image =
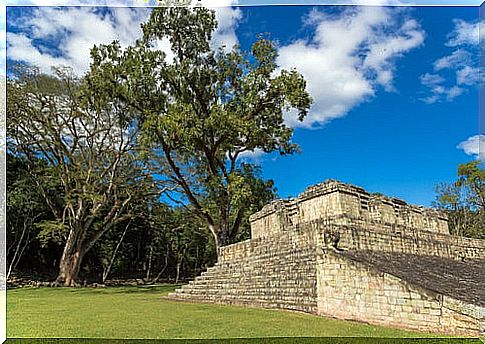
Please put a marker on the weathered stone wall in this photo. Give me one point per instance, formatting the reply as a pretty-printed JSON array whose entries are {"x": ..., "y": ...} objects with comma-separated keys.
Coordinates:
[
  {"x": 272, "y": 219},
  {"x": 333, "y": 199},
  {"x": 416, "y": 242},
  {"x": 349, "y": 289},
  {"x": 378, "y": 237}
]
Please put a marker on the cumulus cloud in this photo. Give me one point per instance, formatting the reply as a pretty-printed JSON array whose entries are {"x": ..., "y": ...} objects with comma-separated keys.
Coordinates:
[
  {"x": 252, "y": 156},
  {"x": 348, "y": 57},
  {"x": 435, "y": 83},
  {"x": 467, "y": 75},
  {"x": 76, "y": 29},
  {"x": 457, "y": 59},
  {"x": 475, "y": 146},
  {"x": 76, "y": 2},
  {"x": 463, "y": 60},
  {"x": 227, "y": 18},
  {"x": 464, "y": 33}
]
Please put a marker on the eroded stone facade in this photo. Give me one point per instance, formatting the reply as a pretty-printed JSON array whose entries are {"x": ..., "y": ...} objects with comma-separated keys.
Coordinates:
[
  {"x": 337, "y": 250},
  {"x": 341, "y": 203}
]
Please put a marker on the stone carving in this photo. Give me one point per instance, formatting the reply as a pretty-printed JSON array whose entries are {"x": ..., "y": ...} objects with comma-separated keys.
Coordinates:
[{"x": 338, "y": 250}]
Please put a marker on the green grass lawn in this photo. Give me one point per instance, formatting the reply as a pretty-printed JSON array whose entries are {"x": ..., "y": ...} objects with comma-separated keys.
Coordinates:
[{"x": 142, "y": 312}]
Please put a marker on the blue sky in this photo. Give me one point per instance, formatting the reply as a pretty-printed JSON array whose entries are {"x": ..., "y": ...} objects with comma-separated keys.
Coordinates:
[{"x": 395, "y": 88}]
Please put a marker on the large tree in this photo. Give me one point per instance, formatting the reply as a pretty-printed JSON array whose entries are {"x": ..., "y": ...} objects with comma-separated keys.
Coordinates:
[
  {"x": 89, "y": 146},
  {"x": 203, "y": 110}
]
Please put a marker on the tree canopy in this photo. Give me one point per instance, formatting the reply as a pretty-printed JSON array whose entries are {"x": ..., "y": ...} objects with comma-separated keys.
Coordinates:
[
  {"x": 202, "y": 111},
  {"x": 464, "y": 200}
]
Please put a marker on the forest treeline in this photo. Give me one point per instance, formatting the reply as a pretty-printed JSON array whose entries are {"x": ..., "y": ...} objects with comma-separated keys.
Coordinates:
[
  {"x": 159, "y": 242},
  {"x": 163, "y": 242}
]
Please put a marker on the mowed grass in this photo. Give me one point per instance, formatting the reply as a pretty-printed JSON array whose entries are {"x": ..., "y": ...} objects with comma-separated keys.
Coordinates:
[{"x": 143, "y": 312}]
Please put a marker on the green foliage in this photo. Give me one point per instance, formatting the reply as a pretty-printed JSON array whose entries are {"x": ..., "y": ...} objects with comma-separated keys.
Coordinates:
[
  {"x": 472, "y": 177},
  {"x": 52, "y": 231},
  {"x": 202, "y": 110},
  {"x": 26, "y": 208},
  {"x": 464, "y": 201}
]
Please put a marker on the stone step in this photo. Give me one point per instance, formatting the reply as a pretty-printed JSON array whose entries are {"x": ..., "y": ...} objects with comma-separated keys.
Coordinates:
[
  {"x": 260, "y": 269},
  {"x": 263, "y": 276},
  {"x": 298, "y": 291},
  {"x": 310, "y": 307},
  {"x": 283, "y": 275},
  {"x": 248, "y": 297},
  {"x": 260, "y": 264},
  {"x": 255, "y": 295},
  {"x": 300, "y": 280},
  {"x": 245, "y": 283},
  {"x": 282, "y": 251},
  {"x": 227, "y": 288}
]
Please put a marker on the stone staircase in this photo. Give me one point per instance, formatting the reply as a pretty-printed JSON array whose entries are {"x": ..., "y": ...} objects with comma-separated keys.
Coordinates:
[{"x": 276, "y": 275}]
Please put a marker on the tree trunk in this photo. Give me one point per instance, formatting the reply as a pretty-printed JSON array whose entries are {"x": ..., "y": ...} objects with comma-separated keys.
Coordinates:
[
  {"x": 113, "y": 256},
  {"x": 150, "y": 257},
  {"x": 220, "y": 237},
  {"x": 17, "y": 256},
  {"x": 164, "y": 267},
  {"x": 177, "y": 276},
  {"x": 69, "y": 269},
  {"x": 70, "y": 262},
  {"x": 179, "y": 264}
]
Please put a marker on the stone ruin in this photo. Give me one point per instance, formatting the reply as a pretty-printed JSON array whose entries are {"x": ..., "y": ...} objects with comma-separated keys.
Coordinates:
[{"x": 337, "y": 250}]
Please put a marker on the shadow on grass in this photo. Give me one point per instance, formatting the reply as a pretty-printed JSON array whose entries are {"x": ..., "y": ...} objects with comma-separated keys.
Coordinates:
[
  {"x": 326, "y": 340},
  {"x": 156, "y": 288}
]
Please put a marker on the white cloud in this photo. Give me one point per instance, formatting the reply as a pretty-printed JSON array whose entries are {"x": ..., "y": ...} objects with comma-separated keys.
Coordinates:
[
  {"x": 431, "y": 80},
  {"x": 75, "y": 2},
  {"x": 458, "y": 58},
  {"x": 253, "y": 156},
  {"x": 227, "y": 20},
  {"x": 467, "y": 76},
  {"x": 21, "y": 49},
  {"x": 381, "y": 54},
  {"x": 76, "y": 29},
  {"x": 474, "y": 145},
  {"x": 348, "y": 57},
  {"x": 453, "y": 92},
  {"x": 464, "y": 33},
  {"x": 438, "y": 90},
  {"x": 463, "y": 60},
  {"x": 165, "y": 46}
]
